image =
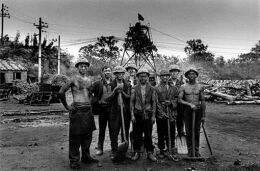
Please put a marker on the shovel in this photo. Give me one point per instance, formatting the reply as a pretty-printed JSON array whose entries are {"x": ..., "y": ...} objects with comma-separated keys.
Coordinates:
[
  {"x": 169, "y": 136},
  {"x": 122, "y": 148},
  {"x": 210, "y": 150}
]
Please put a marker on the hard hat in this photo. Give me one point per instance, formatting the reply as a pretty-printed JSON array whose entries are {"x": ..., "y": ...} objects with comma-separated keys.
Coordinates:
[
  {"x": 174, "y": 67},
  {"x": 164, "y": 72},
  {"x": 143, "y": 70},
  {"x": 152, "y": 74},
  {"x": 131, "y": 66},
  {"x": 191, "y": 70},
  {"x": 81, "y": 60},
  {"x": 119, "y": 69}
]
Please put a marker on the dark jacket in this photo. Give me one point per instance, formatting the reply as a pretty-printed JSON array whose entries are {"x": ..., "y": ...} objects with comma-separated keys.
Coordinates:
[
  {"x": 162, "y": 95},
  {"x": 147, "y": 108},
  {"x": 113, "y": 99},
  {"x": 97, "y": 91}
]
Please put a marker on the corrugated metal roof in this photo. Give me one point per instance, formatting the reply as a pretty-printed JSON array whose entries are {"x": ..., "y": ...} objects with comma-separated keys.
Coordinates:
[{"x": 8, "y": 65}]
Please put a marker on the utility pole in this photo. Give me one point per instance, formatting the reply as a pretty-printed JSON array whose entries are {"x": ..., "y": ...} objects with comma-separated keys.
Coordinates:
[
  {"x": 4, "y": 13},
  {"x": 59, "y": 55},
  {"x": 40, "y": 26}
]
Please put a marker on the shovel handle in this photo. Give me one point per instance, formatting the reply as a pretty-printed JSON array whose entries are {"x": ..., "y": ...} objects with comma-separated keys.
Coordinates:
[
  {"x": 169, "y": 130},
  {"x": 210, "y": 150},
  {"x": 122, "y": 115},
  {"x": 193, "y": 132}
]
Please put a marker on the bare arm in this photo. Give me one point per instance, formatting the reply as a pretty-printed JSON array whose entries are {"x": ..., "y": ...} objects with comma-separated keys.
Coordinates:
[
  {"x": 62, "y": 94},
  {"x": 203, "y": 103},
  {"x": 125, "y": 93}
]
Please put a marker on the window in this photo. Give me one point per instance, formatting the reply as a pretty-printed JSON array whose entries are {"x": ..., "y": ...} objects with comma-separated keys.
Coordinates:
[
  {"x": 2, "y": 78},
  {"x": 17, "y": 76}
]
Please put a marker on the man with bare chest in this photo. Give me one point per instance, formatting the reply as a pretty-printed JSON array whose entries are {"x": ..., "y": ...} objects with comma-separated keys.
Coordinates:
[
  {"x": 192, "y": 97},
  {"x": 81, "y": 118}
]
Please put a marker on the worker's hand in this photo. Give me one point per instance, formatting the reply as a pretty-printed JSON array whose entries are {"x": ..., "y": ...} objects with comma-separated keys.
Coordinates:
[
  {"x": 193, "y": 107},
  {"x": 133, "y": 119},
  {"x": 167, "y": 102},
  {"x": 152, "y": 120},
  {"x": 119, "y": 90}
]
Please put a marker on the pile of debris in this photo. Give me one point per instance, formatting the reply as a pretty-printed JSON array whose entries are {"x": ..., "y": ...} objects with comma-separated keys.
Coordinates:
[
  {"x": 22, "y": 90},
  {"x": 233, "y": 91}
]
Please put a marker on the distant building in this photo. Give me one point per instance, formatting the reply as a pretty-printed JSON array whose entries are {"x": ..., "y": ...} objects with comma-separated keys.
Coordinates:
[{"x": 11, "y": 70}]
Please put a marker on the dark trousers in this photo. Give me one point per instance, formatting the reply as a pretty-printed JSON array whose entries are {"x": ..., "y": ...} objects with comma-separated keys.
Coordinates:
[
  {"x": 115, "y": 125},
  {"x": 188, "y": 125},
  {"x": 162, "y": 131},
  {"x": 103, "y": 120},
  {"x": 141, "y": 127},
  {"x": 77, "y": 141},
  {"x": 179, "y": 119}
]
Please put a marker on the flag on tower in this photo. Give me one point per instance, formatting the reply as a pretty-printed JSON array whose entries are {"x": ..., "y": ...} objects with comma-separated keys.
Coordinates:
[{"x": 140, "y": 17}]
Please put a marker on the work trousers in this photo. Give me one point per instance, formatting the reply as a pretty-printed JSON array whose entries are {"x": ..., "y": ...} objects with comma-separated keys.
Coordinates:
[
  {"x": 140, "y": 127},
  {"x": 162, "y": 131},
  {"x": 103, "y": 120},
  {"x": 188, "y": 125},
  {"x": 77, "y": 141},
  {"x": 115, "y": 124},
  {"x": 179, "y": 119}
]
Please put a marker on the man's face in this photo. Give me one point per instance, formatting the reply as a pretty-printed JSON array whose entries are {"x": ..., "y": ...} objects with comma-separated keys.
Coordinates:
[
  {"x": 192, "y": 75},
  {"x": 164, "y": 78},
  {"x": 107, "y": 72},
  {"x": 174, "y": 74},
  {"x": 143, "y": 77},
  {"x": 131, "y": 71},
  {"x": 120, "y": 75},
  {"x": 83, "y": 68}
]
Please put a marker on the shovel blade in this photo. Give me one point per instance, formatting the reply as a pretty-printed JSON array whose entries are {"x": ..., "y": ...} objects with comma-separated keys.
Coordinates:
[
  {"x": 121, "y": 151},
  {"x": 181, "y": 145}
]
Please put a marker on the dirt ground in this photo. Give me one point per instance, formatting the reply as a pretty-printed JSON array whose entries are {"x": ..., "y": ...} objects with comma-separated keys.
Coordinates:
[{"x": 40, "y": 142}]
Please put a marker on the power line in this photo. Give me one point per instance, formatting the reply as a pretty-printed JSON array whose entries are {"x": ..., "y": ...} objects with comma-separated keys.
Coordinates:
[
  {"x": 174, "y": 37},
  {"x": 22, "y": 20}
]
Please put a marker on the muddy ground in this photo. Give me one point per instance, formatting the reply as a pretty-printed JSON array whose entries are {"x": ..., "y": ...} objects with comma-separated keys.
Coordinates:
[{"x": 40, "y": 142}]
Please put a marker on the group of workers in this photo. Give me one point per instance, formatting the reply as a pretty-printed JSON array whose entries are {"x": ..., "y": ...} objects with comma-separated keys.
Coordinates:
[{"x": 143, "y": 101}]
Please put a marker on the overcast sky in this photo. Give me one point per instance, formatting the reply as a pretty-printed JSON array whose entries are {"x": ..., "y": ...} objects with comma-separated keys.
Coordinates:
[{"x": 228, "y": 27}]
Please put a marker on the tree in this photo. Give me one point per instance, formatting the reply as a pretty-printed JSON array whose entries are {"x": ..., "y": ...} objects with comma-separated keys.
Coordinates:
[
  {"x": 26, "y": 41},
  {"x": 197, "y": 51},
  {"x": 107, "y": 49},
  {"x": 104, "y": 49},
  {"x": 220, "y": 61}
]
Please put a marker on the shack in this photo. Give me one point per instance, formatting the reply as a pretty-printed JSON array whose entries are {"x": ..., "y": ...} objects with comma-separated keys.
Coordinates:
[{"x": 11, "y": 70}]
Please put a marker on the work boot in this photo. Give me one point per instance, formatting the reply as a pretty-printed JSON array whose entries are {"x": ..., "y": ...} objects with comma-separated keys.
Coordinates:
[
  {"x": 74, "y": 165},
  {"x": 128, "y": 156},
  {"x": 136, "y": 156},
  {"x": 197, "y": 154},
  {"x": 161, "y": 154},
  {"x": 89, "y": 159},
  {"x": 99, "y": 152},
  {"x": 151, "y": 157},
  {"x": 174, "y": 150},
  {"x": 112, "y": 155}
]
